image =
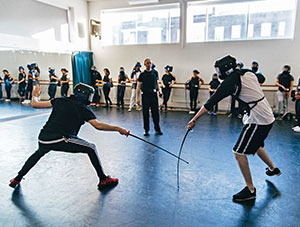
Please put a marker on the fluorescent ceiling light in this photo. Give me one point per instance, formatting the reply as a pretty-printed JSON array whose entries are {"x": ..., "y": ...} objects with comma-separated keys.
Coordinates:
[{"x": 137, "y": 2}]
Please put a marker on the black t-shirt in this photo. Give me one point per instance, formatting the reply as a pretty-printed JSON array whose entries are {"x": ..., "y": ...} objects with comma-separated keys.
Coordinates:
[
  {"x": 156, "y": 73},
  {"x": 51, "y": 79},
  {"x": 95, "y": 75},
  {"x": 285, "y": 79},
  {"x": 167, "y": 79},
  {"x": 64, "y": 78},
  {"x": 214, "y": 83},
  {"x": 194, "y": 83},
  {"x": 67, "y": 116},
  {"x": 149, "y": 81},
  {"x": 21, "y": 77},
  {"x": 122, "y": 77}
]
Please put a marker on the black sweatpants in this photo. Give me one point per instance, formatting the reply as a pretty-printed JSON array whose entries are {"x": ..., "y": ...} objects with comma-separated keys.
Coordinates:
[
  {"x": 120, "y": 95},
  {"x": 29, "y": 90},
  {"x": 193, "y": 99},
  {"x": 96, "y": 98},
  {"x": 64, "y": 90},
  {"x": 22, "y": 90},
  {"x": 298, "y": 111},
  {"x": 150, "y": 101},
  {"x": 8, "y": 90},
  {"x": 52, "y": 90},
  {"x": 166, "y": 92},
  {"x": 72, "y": 145},
  {"x": 234, "y": 111},
  {"x": 215, "y": 107},
  {"x": 106, "y": 91}
]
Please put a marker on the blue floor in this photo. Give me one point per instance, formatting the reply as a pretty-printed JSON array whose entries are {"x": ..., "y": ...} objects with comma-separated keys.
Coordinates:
[{"x": 61, "y": 189}]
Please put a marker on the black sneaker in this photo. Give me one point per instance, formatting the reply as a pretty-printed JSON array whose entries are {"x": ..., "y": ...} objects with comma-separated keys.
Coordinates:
[
  {"x": 158, "y": 133},
  {"x": 146, "y": 133},
  {"x": 273, "y": 172},
  {"x": 244, "y": 195}
]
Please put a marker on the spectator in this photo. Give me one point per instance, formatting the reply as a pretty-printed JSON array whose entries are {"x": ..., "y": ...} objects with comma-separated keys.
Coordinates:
[{"x": 285, "y": 82}]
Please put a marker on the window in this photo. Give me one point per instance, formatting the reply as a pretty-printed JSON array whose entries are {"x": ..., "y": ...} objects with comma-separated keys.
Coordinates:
[
  {"x": 143, "y": 25},
  {"x": 269, "y": 19}
]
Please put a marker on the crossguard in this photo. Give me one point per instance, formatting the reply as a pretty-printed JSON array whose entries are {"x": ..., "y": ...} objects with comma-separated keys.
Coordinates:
[{"x": 128, "y": 133}]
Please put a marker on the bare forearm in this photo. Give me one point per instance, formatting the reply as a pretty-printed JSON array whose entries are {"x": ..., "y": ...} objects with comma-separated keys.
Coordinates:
[
  {"x": 106, "y": 127},
  {"x": 200, "y": 112}
]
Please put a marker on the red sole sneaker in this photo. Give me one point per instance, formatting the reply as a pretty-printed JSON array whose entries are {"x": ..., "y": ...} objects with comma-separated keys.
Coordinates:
[
  {"x": 14, "y": 183},
  {"x": 108, "y": 183}
]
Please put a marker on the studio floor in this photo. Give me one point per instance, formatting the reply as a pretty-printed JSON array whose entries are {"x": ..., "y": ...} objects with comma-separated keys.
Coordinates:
[{"x": 61, "y": 190}]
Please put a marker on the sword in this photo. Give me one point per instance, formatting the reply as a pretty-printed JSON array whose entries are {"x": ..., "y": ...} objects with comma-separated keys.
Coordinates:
[{"x": 170, "y": 153}]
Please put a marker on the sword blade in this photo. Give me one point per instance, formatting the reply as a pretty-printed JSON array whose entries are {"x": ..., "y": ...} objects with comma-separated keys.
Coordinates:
[{"x": 170, "y": 153}]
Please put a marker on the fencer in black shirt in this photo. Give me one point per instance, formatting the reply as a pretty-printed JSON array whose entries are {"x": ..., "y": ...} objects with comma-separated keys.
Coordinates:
[{"x": 61, "y": 129}]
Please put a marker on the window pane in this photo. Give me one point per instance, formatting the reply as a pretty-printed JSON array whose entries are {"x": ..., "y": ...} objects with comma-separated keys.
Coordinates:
[
  {"x": 141, "y": 26},
  {"x": 196, "y": 23},
  {"x": 231, "y": 17},
  {"x": 272, "y": 19}
]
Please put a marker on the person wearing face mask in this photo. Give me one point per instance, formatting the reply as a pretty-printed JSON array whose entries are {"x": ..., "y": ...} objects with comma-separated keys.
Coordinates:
[
  {"x": 122, "y": 79},
  {"x": 107, "y": 84},
  {"x": 22, "y": 83},
  {"x": 133, "y": 78},
  {"x": 260, "y": 76},
  {"x": 194, "y": 84},
  {"x": 258, "y": 119},
  {"x": 213, "y": 85},
  {"x": 167, "y": 82},
  {"x": 61, "y": 130},
  {"x": 285, "y": 83},
  {"x": 64, "y": 81}
]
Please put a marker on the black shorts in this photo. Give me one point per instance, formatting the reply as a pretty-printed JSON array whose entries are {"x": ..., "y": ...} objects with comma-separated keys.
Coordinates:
[{"x": 251, "y": 138}]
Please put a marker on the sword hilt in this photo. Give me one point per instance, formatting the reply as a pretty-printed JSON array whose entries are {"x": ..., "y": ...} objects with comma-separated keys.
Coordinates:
[{"x": 128, "y": 133}]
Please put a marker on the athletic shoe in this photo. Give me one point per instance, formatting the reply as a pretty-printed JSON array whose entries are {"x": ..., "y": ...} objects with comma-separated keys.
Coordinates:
[
  {"x": 273, "y": 172},
  {"x": 296, "y": 129},
  {"x": 129, "y": 110},
  {"x": 146, "y": 133},
  {"x": 192, "y": 112},
  {"x": 230, "y": 115},
  {"x": 93, "y": 104},
  {"x": 158, "y": 133},
  {"x": 107, "y": 183},
  {"x": 215, "y": 114},
  {"x": 139, "y": 108},
  {"x": 244, "y": 195},
  {"x": 7, "y": 100},
  {"x": 14, "y": 183},
  {"x": 239, "y": 116},
  {"x": 98, "y": 104}
]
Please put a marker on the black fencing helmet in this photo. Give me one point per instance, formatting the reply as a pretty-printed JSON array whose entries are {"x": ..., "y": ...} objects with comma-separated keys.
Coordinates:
[
  {"x": 225, "y": 66},
  {"x": 84, "y": 93}
]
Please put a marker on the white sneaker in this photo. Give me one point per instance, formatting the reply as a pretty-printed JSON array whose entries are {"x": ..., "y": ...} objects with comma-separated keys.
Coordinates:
[
  {"x": 296, "y": 129},
  {"x": 192, "y": 112},
  {"x": 129, "y": 110},
  {"x": 7, "y": 100}
]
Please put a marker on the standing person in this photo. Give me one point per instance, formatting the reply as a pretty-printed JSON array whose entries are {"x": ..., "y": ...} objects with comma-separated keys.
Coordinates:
[
  {"x": 285, "y": 83},
  {"x": 258, "y": 119},
  {"x": 153, "y": 66},
  {"x": 107, "y": 84},
  {"x": 22, "y": 83},
  {"x": 53, "y": 83},
  {"x": 64, "y": 81},
  {"x": 1, "y": 94},
  {"x": 260, "y": 76},
  {"x": 122, "y": 79},
  {"x": 8, "y": 80},
  {"x": 60, "y": 131},
  {"x": 297, "y": 108},
  {"x": 29, "y": 87},
  {"x": 148, "y": 83},
  {"x": 213, "y": 85},
  {"x": 96, "y": 79},
  {"x": 193, "y": 84},
  {"x": 133, "y": 78},
  {"x": 35, "y": 71},
  {"x": 167, "y": 82}
]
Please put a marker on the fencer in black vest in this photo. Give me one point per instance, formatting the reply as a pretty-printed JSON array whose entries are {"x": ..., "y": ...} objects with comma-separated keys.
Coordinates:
[
  {"x": 258, "y": 119},
  {"x": 60, "y": 131},
  {"x": 53, "y": 79},
  {"x": 64, "y": 82},
  {"x": 167, "y": 82},
  {"x": 122, "y": 79},
  {"x": 96, "y": 80},
  {"x": 29, "y": 87},
  {"x": 22, "y": 83},
  {"x": 148, "y": 84}
]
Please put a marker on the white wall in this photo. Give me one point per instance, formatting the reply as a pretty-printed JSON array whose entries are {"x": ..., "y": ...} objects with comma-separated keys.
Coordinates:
[
  {"x": 271, "y": 54},
  {"x": 12, "y": 60},
  {"x": 16, "y": 32}
]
